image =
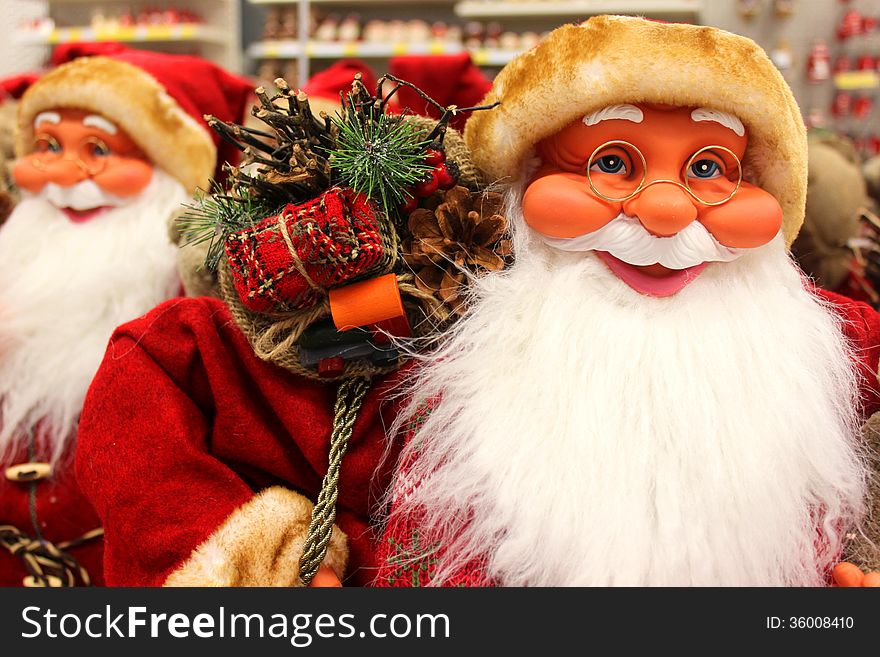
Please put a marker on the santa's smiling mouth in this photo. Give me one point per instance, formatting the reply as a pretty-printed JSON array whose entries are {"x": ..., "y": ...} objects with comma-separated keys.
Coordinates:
[
  {"x": 651, "y": 280},
  {"x": 81, "y": 216}
]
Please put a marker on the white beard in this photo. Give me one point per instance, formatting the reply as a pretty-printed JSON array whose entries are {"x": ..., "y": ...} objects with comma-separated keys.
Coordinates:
[
  {"x": 589, "y": 435},
  {"x": 64, "y": 288}
]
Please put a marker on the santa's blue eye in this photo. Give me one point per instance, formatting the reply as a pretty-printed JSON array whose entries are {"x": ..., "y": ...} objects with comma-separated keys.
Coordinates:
[
  {"x": 47, "y": 145},
  {"x": 609, "y": 164},
  {"x": 704, "y": 169},
  {"x": 98, "y": 148}
]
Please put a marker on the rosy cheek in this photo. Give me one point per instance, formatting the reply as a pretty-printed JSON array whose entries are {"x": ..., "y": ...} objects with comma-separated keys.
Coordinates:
[
  {"x": 28, "y": 177},
  {"x": 125, "y": 177},
  {"x": 750, "y": 219},
  {"x": 560, "y": 205}
]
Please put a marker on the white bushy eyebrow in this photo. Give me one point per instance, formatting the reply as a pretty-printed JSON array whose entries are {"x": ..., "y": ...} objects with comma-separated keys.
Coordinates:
[
  {"x": 725, "y": 119},
  {"x": 47, "y": 117},
  {"x": 100, "y": 123},
  {"x": 623, "y": 112}
]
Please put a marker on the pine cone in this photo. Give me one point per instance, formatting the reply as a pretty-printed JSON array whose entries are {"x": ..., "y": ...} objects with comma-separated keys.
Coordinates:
[{"x": 464, "y": 233}]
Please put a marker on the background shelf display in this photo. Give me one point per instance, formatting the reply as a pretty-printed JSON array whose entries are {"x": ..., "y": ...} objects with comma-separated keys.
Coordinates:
[
  {"x": 314, "y": 33},
  {"x": 356, "y": 3},
  {"x": 216, "y": 35},
  {"x": 159, "y": 33},
  {"x": 519, "y": 22},
  {"x": 491, "y": 9},
  {"x": 334, "y": 50},
  {"x": 787, "y": 29}
]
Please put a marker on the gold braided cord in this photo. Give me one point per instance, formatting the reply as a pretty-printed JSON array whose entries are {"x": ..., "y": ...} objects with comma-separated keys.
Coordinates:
[
  {"x": 47, "y": 563},
  {"x": 349, "y": 397}
]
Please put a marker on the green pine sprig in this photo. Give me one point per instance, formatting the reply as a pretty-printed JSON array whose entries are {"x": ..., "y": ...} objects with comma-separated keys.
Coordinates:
[
  {"x": 215, "y": 216},
  {"x": 378, "y": 154},
  {"x": 297, "y": 156}
]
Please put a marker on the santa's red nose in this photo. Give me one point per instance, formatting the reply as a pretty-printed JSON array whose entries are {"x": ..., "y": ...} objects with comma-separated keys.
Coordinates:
[{"x": 663, "y": 208}]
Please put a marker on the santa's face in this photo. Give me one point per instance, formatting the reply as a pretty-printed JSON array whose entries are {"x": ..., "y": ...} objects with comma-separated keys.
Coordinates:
[
  {"x": 83, "y": 164},
  {"x": 655, "y": 191}
]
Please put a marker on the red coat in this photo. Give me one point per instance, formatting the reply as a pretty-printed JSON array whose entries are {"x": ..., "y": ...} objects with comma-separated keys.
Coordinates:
[
  {"x": 183, "y": 424},
  {"x": 861, "y": 325},
  {"x": 63, "y": 514}
]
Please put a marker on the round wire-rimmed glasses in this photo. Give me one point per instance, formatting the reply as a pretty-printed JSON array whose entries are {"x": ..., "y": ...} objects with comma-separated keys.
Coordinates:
[
  {"x": 617, "y": 154},
  {"x": 91, "y": 155}
]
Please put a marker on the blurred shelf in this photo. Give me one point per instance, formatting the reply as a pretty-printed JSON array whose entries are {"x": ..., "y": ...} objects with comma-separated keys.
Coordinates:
[
  {"x": 318, "y": 50},
  {"x": 107, "y": 2},
  {"x": 355, "y": 2},
  {"x": 857, "y": 80},
  {"x": 492, "y": 56},
  {"x": 216, "y": 37},
  {"x": 488, "y": 9},
  {"x": 158, "y": 33},
  {"x": 303, "y": 50},
  {"x": 328, "y": 50}
]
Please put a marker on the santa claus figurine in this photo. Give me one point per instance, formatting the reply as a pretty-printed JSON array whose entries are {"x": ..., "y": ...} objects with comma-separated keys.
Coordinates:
[
  {"x": 108, "y": 149},
  {"x": 652, "y": 394}
]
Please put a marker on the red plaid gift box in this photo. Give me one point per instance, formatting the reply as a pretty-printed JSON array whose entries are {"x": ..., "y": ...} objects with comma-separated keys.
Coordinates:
[{"x": 289, "y": 261}]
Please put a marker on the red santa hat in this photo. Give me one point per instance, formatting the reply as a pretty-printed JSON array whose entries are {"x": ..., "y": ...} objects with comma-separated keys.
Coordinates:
[
  {"x": 609, "y": 60},
  {"x": 15, "y": 86},
  {"x": 158, "y": 99},
  {"x": 67, "y": 52}
]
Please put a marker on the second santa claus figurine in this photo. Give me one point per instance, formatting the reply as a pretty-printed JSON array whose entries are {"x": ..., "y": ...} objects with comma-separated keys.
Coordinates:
[
  {"x": 652, "y": 394},
  {"x": 108, "y": 150}
]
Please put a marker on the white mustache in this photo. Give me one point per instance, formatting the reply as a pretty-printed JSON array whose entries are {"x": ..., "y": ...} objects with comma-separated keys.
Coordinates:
[
  {"x": 85, "y": 195},
  {"x": 628, "y": 240}
]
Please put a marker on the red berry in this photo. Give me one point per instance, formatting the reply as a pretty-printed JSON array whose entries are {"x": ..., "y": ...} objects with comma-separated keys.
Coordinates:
[
  {"x": 445, "y": 179},
  {"x": 410, "y": 203},
  {"x": 434, "y": 157},
  {"x": 330, "y": 367},
  {"x": 428, "y": 186}
]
